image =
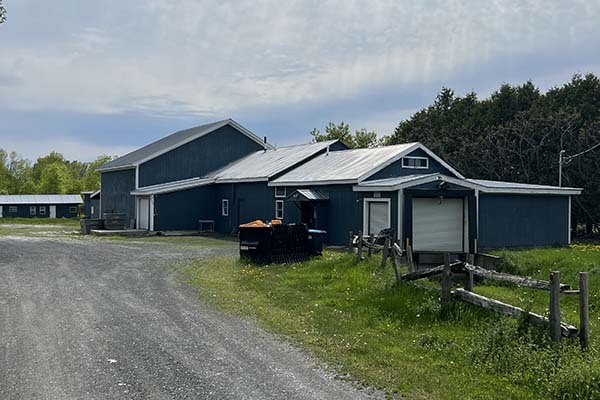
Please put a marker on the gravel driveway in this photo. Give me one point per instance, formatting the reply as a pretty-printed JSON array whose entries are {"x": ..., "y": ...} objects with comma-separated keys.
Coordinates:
[{"x": 99, "y": 319}]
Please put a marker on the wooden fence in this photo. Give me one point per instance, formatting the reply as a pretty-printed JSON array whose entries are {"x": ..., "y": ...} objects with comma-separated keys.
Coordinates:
[{"x": 553, "y": 286}]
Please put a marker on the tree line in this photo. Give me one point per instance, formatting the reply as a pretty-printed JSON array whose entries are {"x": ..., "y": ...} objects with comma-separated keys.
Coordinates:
[
  {"x": 52, "y": 174},
  {"x": 514, "y": 135}
]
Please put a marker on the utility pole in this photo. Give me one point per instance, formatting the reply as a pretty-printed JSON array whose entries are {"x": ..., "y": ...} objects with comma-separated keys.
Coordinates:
[{"x": 561, "y": 157}]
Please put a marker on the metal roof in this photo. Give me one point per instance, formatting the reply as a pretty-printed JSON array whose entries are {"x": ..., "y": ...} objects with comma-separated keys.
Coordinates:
[
  {"x": 264, "y": 164},
  {"x": 50, "y": 199},
  {"x": 309, "y": 194},
  {"x": 483, "y": 186},
  {"x": 344, "y": 166},
  {"x": 173, "y": 141},
  {"x": 173, "y": 186}
]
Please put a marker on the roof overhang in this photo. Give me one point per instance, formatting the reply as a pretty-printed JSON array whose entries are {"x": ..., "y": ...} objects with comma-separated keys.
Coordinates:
[
  {"x": 383, "y": 186},
  {"x": 119, "y": 168},
  {"x": 172, "y": 186},
  {"x": 314, "y": 183},
  {"x": 310, "y": 195}
]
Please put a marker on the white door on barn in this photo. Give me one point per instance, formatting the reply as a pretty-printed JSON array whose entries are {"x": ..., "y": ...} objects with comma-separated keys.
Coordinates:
[
  {"x": 144, "y": 213},
  {"x": 0, "y": 211},
  {"x": 438, "y": 224},
  {"x": 52, "y": 211},
  {"x": 376, "y": 216}
]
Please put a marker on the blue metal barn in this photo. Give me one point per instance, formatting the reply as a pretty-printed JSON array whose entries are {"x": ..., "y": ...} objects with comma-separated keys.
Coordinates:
[
  {"x": 40, "y": 206},
  {"x": 225, "y": 175}
]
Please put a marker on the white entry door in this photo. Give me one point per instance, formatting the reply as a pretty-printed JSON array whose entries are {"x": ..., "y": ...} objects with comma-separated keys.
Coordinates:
[
  {"x": 144, "y": 213},
  {"x": 438, "y": 224},
  {"x": 52, "y": 211},
  {"x": 376, "y": 216}
]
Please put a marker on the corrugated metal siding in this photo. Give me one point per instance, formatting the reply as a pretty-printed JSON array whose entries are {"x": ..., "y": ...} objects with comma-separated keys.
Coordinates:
[
  {"x": 395, "y": 169},
  {"x": 182, "y": 210},
  {"x": 198, "y": 157},
  {"x": 116, "y": 188},
  {"x": 522, "y": 220}
]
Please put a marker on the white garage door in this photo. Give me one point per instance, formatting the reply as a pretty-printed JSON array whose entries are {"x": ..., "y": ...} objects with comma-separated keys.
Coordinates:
[
  {"x": 378, "y": 215},
  {"x": 437, "y": 225}
]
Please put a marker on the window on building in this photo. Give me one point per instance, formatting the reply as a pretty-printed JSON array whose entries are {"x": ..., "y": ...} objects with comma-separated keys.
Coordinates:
[
  {"x": 12, "y": 209},
  {"x": 280, "y": 191},
  {"x": 42, "y": 210},
  {"x": 92, "y": 210},
  {"x": 225, "y": 207},
  {"x": 73, "y": 209},
  {"x": 415, "y": 162},
  {"x": 31, "y": 210},
  {"x": 279, "y": 209}
]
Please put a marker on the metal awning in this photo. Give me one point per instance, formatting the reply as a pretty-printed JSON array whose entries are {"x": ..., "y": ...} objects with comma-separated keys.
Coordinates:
[{"x": 308, "y": 195}]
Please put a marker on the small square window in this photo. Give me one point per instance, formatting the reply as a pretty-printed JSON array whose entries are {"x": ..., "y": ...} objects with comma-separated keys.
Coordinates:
[
  {"x": 42, "y": 210},
  {"x": 12, "y": 209},
  {"x": 32, "y": 210},
  {"x": 279, "y": 209},
  {"x": 415, "y": 162},
  {"x": 73, "y": 209},
  {"x": 280, "y": 191},
  {"x": 225, "y": 207}
]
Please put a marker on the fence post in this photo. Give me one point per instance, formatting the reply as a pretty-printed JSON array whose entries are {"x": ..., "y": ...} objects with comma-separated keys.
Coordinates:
[
  {"x": 385, "y": 252},
  {"x": 371, "y": 242},
  {"x": 446, "y": 275},
  {"x": 555, "y": 331},
  {"x": 360, "y": 247},
  {"x": 469, "y": 274},
  {"x": 584, "y": 328},
  {"x": 395, "y": 256},
  {"x": 409, "y": 258},
  {"x": 350, "y": 241}
]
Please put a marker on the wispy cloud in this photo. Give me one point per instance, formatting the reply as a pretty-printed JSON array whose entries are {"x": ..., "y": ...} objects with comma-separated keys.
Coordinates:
[{"x": 261, "y": 59}]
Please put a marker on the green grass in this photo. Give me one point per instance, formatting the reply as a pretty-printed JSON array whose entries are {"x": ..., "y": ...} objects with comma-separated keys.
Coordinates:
[
  {"x": 402, "y": 341},
  {"x": 195, "y": 241},
  {"x": 37, "y": 227}
]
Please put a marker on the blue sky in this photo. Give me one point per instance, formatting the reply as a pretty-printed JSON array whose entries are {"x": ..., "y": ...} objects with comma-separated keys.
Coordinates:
[{"x": 86, "y": 78}]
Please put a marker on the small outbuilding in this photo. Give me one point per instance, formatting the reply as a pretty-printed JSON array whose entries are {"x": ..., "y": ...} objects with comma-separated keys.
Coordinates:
[{"x": 40, "y": 206}]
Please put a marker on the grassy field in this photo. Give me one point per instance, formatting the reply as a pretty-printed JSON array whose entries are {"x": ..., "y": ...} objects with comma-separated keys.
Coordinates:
[
  {"x": 351, "y": 317},
  {"x": 38, "y": 226}
]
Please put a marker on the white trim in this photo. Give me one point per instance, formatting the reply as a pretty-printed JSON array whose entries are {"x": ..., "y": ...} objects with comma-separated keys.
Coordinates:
[
  {"x": 13, "y": 209},
  {"x": 42, "y": 208},
  {"x": 468, "y": 184},
  {"x": 400, "y": 229},
  {"x": 414, "y": 158},
  {"x": 241, "y": 180},
  {"x": 219, "y": 125},
  {"x": 477, "y": 212},
  {"x": 282, "y": 209},
  {"x": 34, "y": 209},
  {"x": 406, "y": 151},
  {"x": 466, "y": 244},
  {"x": 119, "y": 168},
  {"x": 225, "y": 207},
  {"x": 366, "y": 211},
  {"x": 173, "y": 186},
  {"x": 152, "y": 214},
  {"x": 569, "y": 226},
  {"x": 278, "y": 196},
  {"x": 137, "y": 177},
  {"x": 1, "y": 209}
]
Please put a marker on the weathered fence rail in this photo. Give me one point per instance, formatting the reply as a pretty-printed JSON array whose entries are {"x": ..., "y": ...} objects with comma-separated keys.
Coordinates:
[{"x": 556, "y": 289}]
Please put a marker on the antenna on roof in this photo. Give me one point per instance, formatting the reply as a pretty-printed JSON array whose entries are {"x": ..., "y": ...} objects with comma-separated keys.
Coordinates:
[{"x": 327, "y": 150}]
